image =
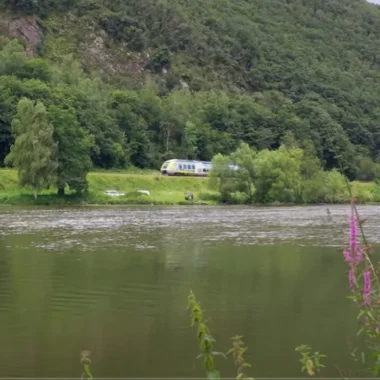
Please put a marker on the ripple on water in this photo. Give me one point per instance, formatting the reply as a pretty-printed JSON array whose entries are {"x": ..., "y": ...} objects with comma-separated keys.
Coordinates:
[{"x": 101, "y": 228}]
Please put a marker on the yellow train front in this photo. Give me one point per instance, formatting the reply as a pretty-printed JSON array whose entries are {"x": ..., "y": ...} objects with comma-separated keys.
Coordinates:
[{"x": 186, "y": 167}]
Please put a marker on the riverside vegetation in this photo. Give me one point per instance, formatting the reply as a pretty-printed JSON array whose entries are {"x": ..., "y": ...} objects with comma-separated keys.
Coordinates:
[
  {"x": 119, "y": 84},
  {"x": 289, "y": 174}
]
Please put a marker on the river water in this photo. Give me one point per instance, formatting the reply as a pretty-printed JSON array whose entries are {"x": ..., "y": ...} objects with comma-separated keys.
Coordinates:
[{"x": 115, "y": 281}]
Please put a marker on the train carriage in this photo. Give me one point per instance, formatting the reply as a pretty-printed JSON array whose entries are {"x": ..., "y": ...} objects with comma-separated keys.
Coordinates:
[{"x": 188, "y": 167}]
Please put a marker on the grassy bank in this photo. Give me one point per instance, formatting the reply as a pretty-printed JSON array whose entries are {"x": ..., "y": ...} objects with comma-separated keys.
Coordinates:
[{"x": 163, "y": 190}]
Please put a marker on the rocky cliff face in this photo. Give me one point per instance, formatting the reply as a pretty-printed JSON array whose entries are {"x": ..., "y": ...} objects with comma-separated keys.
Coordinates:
[
  {"x": 25, "y": 28},
  {"x": 89, "y": 43},
  {"x": 93, "y": 47}
]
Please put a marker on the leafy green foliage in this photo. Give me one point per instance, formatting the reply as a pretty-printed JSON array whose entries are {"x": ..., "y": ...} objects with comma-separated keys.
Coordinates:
[
  {"x": 227, "y": 180},
  {"x": 206, "y": 340},
  {"x": 73, "y": 150},
  {"x": 86, "y": 361},
  {"x": 238, "y": 350},
  {"x": 288, "y": 175},
  {"x": 278, "y": 175},
  {"x": 214, "y": 75},
  {"x": 311, "y": 361},
  {"x": 34, "y": 148}
]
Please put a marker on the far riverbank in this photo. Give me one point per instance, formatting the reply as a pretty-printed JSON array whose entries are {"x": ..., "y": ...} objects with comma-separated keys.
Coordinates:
[{"x": 162, "y": 190}]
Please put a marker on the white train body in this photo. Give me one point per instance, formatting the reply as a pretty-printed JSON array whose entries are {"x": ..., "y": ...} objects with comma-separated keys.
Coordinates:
[{"x": 188, "y": 167}]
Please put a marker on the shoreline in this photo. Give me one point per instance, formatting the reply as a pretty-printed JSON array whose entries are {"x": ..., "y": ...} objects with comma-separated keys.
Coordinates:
[
  {"x": 163, "y": 191},
  {"x": 80, "y": 203}
]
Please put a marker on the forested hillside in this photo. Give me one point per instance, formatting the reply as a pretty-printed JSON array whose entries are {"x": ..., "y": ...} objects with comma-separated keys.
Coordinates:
[{"x": 138, "y": 81}]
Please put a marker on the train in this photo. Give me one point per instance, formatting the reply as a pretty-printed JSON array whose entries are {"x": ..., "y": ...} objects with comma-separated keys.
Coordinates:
[{"x": 188, "y": 167}]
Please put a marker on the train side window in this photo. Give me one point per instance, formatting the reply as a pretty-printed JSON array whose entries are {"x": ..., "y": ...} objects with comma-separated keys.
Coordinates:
[
  {"x": 193, "y": 167},
  {"x": 180, "y": 167}
]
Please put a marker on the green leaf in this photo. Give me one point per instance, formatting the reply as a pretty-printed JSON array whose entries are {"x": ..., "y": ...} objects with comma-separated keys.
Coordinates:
[
  {"x": 237, "y": 337},
  {"x": 213, "y": 375},
  {"x": 246, "y": 365},
  {"x": 371, "y": 315},
  {"x": 88, "y": 371},
  {"x": 361, "y": 330},
  {"x": 215, "y": 353},
  {"x": 363, "y": 357},
  {"x": 361, "y": 314}
]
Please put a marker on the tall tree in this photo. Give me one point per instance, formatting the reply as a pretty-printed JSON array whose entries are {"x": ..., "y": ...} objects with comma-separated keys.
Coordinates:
[
  {"x": 33, "y": 152},
  {"x": 73, "y": 150}
]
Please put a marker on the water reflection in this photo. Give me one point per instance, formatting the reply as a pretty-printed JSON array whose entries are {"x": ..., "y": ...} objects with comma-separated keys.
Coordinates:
[{"x": 115, "y": 282}]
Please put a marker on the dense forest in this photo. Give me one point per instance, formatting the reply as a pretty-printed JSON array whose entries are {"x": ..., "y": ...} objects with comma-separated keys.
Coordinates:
[{"x": 192, "y": 79}]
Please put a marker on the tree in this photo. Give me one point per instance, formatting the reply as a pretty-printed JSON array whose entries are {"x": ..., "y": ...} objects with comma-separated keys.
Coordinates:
[
  {"x": 311, "y": 165},
  {"x": 223, "y": 177},
  {"x": 190, "y": 137},
  {"x": 228, "y": 178},
  {"x": 278, "y": 175},
  {"x": 73, "y": 150},
  {"x": 244, "y": 158},
  {"x": 12, "y": 57},
  {"x": 33, "y": 152}
]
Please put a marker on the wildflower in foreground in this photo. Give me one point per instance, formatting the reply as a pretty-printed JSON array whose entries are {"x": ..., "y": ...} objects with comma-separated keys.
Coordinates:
[
  {"x": 355, "y": 254},
  {"x": 348, "y": 257},
  {"x": 351, "y": 278}
]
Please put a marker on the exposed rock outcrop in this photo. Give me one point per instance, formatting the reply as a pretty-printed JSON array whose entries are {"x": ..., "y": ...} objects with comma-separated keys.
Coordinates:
[{"x": 25, "y": 28}]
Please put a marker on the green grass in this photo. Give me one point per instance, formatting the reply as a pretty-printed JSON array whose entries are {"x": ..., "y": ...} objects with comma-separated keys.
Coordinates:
[{"x": 163, "y": 190}]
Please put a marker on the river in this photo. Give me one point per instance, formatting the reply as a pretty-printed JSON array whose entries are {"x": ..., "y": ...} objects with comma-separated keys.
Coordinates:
[{"x": 115, "y": 281}]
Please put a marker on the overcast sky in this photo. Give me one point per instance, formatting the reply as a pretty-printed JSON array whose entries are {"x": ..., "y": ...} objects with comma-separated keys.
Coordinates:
[{"x": 374, "y": 1}]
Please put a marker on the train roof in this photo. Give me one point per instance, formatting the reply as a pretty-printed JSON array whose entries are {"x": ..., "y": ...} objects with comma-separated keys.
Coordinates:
[{"x": 193, "y": 161}]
